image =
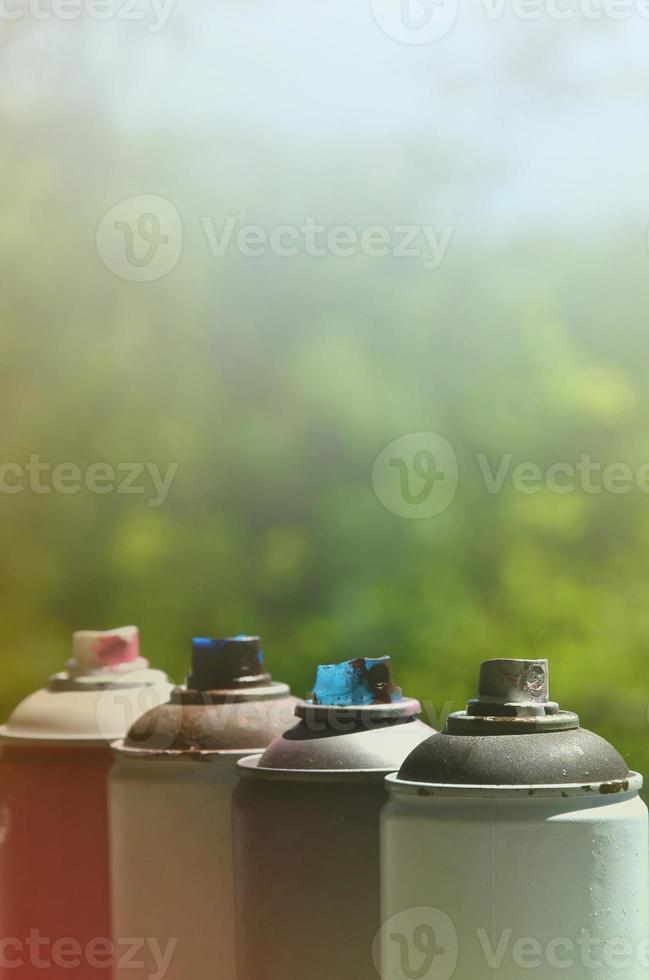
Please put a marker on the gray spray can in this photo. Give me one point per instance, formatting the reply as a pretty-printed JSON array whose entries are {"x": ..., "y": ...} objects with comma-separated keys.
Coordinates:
[{"x": 306, "y": 828}]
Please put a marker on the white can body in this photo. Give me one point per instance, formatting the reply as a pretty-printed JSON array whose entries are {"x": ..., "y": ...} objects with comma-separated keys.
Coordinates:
[
  {"x": 171, "y": 857},
  {"x": 502, "y": 882}
]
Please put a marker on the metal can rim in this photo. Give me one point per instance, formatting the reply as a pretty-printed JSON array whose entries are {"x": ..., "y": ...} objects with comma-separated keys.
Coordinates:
[
  {"x": 123, "y": 752},
  {"x": 15, "y": 738},
  {"x": 406, "y": 708},
  {"x": 629, "y": 786},
  {"x": 249, "y": 769},
  {"x": 274, "y": 691}
]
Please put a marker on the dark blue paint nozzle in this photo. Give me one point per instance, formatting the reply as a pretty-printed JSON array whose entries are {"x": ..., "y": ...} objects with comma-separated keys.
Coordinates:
[
  {"x": 232, "y": 662},
  {"x": 361, "y": 681}
]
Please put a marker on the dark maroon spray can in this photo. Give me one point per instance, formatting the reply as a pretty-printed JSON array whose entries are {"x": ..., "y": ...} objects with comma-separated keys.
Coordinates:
[{"x": 306, "y": 828}]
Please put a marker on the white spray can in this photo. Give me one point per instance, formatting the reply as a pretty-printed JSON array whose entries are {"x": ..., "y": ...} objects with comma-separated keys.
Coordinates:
[
  {"x": 171, "y": 814},
  {"x": 514, "y": 844}
]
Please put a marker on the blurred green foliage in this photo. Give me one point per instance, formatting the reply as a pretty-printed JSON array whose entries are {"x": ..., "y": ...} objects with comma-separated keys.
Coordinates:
[{"x": 274, "y": 383}]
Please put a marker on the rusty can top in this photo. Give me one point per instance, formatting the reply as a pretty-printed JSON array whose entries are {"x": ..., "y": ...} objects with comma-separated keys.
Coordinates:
[
  {"x": 513, "y": 735},
  {"x": 229, "y": 705}
]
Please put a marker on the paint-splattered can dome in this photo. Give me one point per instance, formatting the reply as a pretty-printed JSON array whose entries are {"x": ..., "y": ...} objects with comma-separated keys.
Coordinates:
[{"x": 358, "y": 719}]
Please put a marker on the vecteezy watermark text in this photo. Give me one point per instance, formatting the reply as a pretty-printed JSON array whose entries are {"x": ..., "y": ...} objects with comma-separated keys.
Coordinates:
[
  {"x": 585, "y": 474},
  {"x": 417, "y": 475},
  {"x": 153, "y": 13},
  {"x": 146, "y": 955},
  {"x": 426, "y": 21},
  {"x": 423, "y": 943},
  {"x": 66, "y": 478},
  {"x": 141, "y": 239},
  {"x": 317, "y": 240}
]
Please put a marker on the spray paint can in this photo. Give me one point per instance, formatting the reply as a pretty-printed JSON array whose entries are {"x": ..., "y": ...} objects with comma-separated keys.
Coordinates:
[
  {"x": 306, "y": 828},
  {"x": 514, "y": 844},
  {"x": 54, "y": 761},
  {"x": 171, "y": 813}
]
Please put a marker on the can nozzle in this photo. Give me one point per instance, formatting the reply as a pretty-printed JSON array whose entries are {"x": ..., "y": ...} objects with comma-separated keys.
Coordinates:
[
  {"x": 361, "y": 681},
  {"x": 513, "y": 697},
  {"x": 94, "y": 650},
  {"x": 232, "y": 662},
  {"x": 514, "y": 680}
]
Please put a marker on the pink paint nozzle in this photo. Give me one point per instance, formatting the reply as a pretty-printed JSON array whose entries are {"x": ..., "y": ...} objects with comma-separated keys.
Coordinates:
[{"x": 95, "y": 650}]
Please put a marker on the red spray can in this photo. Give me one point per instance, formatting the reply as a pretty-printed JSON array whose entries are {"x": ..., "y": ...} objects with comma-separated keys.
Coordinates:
[{"x": 54, "y": 853}]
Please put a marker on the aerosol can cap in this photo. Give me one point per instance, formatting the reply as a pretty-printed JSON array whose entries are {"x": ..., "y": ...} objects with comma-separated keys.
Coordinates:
[
  {"x": 512, "y": 734},
  {"x": 513, "y": 693},
  {"x": 94, "y": 650},
  {"x": 361, "y": 681},
  {"x": 513, "y": 687},
  {"x": 229, "y": 704},
  {"x": 105, "y": 686},
  {"x": 357, "y": 719},
  {"x": 227, "y": 664}
]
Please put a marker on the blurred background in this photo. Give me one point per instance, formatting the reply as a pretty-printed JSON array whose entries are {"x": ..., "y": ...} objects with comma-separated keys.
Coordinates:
[{"x": 265, "y": 378}]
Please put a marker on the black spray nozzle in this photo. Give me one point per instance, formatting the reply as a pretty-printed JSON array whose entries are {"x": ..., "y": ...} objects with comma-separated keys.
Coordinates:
[{"x": 220, "y": 664}]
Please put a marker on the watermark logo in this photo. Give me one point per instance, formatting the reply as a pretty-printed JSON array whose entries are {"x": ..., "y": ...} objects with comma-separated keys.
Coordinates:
[
  {"x": 416, "y": 476},
  {"x": 129, "y": 706},
  {"x": 415, "y": 21},
  {"x": 141, "y": 238},
  {"x": 423, "y": 943},
  {"x": 427, "y": 21},
  {"x": 416, "y": 944}
]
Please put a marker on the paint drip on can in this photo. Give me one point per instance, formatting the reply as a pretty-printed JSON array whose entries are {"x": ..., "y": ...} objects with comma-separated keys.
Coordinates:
[
  {"x": 306, "y": 820},
  {"x": 514, "y": 843},
  {"x": 54, "y": 850},
  {"x": 171, "y": 811}
]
